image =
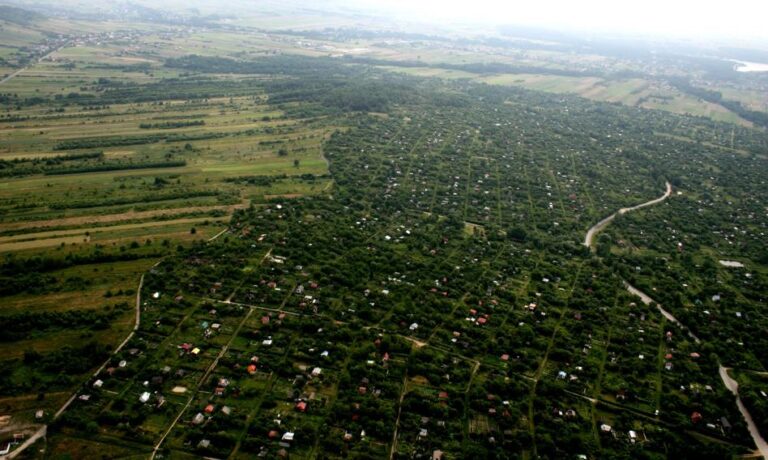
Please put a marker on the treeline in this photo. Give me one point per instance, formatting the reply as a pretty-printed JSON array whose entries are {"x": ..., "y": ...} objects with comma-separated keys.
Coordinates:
[
  {"x": 265, "y": 181},
  {"x": 321, "y": 80},
  {"x": 716, "y": 97},
  {"x": 346, "y": 96},
  {"x": 484, "y": 68},
  {"x": 28, "y": 166},
  {"x": 32, "y": 283},
  {"x": 21, "y": 325},
  {"x": 68, "y": 360},
  {"x": 172, "y": 124},
  {"x": 13, "y": 267},
  {"x": 51, "y": 160},
  {"x": 129, "y": 200},
  {"x": 262, "y": 181},
  {"x": 99, "y": 142},
  {"x": 294, "y": 66},
  {"x": 115, "y": 167}
]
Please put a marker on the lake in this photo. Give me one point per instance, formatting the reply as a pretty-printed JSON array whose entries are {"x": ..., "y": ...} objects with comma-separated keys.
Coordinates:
[{"x": 745, "y": 66}]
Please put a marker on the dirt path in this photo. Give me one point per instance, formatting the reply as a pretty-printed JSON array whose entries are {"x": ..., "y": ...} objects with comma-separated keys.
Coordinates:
[
  {"x": 730, "y": 383},
  {"x": 646, "y": 299},
  {"x": 14, "y": 74},
  {"x": 589, "y": 239},
  {"x": 733, "y": 387},
  {"x": 43, "y": 430},
  {"x": 201, "y": 382}
]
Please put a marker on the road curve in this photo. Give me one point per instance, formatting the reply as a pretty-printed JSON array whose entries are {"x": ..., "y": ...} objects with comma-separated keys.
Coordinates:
[
  {"x": 589, "y": 239},
  {"x": 733, "y": 387},
  {"x": 730, "y": 383}
]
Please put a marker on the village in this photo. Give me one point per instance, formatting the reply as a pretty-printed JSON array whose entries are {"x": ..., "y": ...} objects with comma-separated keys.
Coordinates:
[{"x": 243, "y": 241}]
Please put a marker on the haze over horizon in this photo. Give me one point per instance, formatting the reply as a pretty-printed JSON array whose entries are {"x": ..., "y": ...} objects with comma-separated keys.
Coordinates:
[{"x": 739, "y": 19}]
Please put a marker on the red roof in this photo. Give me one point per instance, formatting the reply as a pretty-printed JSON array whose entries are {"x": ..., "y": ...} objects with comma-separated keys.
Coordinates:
[
  {"x": 251, "y": 369},
  {"x": 209, "y": 408},
  {"x": 505, "y": 357},
  {"x": 301, "y": 406}
]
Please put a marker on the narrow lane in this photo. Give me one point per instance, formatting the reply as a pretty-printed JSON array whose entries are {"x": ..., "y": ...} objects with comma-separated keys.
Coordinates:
[
  {"x": 728, "y": 381},
  {"x": 589, "y": 239}
]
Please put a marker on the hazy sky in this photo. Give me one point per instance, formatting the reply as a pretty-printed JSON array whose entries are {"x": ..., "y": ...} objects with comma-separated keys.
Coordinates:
[{"x": 693, "y": 18}]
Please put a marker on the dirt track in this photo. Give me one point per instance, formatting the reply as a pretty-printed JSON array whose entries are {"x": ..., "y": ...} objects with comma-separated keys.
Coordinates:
[{"x": 589, "y": 239}]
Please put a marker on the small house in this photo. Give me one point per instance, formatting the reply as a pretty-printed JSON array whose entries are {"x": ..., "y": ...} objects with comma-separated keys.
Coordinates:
[{"x": 726, "y": 424}]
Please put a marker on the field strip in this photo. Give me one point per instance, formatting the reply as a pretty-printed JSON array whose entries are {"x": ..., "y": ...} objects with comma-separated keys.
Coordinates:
[
  {"x": 37, "y": 244},
  {"x": 82, "y": 231},
  {"x": 129, "y": 215}
]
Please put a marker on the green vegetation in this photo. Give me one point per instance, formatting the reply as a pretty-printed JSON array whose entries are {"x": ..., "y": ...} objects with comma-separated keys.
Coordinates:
[{"x": 378, "y": 255}]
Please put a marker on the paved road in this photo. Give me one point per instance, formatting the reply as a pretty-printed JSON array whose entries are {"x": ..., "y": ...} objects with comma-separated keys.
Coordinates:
[{"x": 14, "y": 74}]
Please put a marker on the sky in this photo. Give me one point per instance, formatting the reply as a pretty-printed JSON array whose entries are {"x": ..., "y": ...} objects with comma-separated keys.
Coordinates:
[{"x": 741, "y": 19}]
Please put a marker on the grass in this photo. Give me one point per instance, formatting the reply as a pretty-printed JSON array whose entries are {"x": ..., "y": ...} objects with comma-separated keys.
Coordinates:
[
  {"x": 124, "y": 210},
  {"x": 36, "y": 199},
  {"x": 113, "y": 277},
  {"x": 633, "y": 91}
]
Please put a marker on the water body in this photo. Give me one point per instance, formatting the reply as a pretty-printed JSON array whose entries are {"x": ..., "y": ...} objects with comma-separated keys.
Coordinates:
[{"x": 746, "y": 66}]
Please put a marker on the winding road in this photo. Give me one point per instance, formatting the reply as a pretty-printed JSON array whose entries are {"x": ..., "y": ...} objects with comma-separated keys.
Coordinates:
[
  {"x": 589, "y": 239},
  {"x": 733, "y": 387},
  {"x": 728, "y": 381}
]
